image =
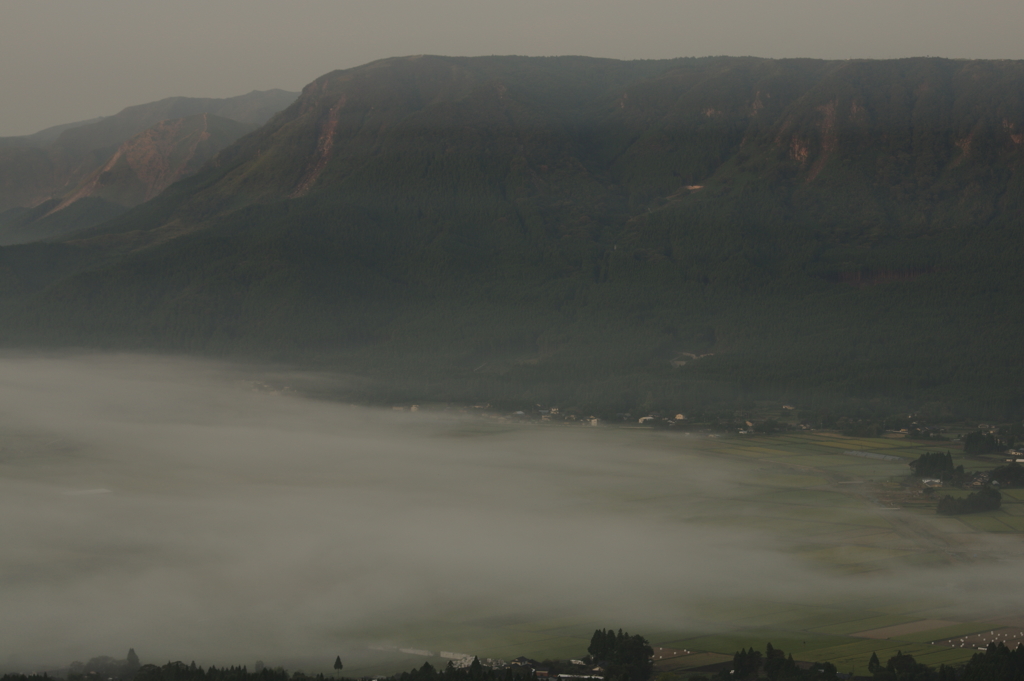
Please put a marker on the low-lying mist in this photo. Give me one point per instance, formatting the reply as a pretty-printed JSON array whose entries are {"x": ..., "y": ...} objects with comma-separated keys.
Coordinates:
[{"x": 166, "y": 504}]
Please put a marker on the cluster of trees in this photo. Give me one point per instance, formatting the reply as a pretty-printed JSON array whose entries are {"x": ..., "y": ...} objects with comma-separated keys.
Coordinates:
[
  {"x": 624, "y": 657},
  {"x": 933, "y": 464},
  {"x": 958, "y": 478},
  {"x": 997, "y": 663},
  {"x": 105, "y": 667},
  {"x": 746, "y": 663},
  {"x": 985, "y": 499},
  {"x": 179, "y": 671},
  {"x": 129, "y": 669},
  {"x": 1010, "y": 475},
  {"x": 982, "y": 443},
  {"x": 774, "y": 665},
  {"x": 1012, "y": 433},
  {"x": 940, "y": 465},
  {"x": 172, "y": 671},
  {"x": 902, "y": 667},
  {"x": 474, "y": 672}
]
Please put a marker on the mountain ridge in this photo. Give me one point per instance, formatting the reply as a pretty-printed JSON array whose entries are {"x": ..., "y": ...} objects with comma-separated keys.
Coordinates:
[
  {"x": 54, "y": 163},
  {"x": 826, "y": 227},
  {"x": 78, "y": 148},
  {"x": 161, "y": 155}
]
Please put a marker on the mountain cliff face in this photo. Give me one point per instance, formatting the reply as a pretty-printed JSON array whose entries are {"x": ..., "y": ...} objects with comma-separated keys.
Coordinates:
[{"x": 843, "y": 226}]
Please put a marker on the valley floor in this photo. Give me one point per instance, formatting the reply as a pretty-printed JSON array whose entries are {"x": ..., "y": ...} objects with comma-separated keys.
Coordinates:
[{"x": 838, "y": 512}]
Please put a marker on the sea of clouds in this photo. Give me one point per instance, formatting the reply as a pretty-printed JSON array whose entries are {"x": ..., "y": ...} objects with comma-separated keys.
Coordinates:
[{"x": 180, "y": 507}]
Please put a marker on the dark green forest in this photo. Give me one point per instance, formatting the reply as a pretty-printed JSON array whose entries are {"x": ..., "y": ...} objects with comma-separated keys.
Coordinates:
[{"x": 592, "y": 233}]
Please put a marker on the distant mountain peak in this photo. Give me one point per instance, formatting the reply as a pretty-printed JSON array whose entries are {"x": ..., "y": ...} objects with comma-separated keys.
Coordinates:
[
  {"x": 148, "y": 163},
  {"x": 119, "y": 161}
]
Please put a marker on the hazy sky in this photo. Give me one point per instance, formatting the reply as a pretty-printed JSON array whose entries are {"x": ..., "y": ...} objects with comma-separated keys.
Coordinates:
[{"x": 71, "y": 60}]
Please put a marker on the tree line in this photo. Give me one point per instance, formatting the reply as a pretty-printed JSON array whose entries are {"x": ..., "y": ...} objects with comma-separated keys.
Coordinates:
[
  {"x": 623, "y": 657},
  {"x": 985, "y": 499},
  {"x": 474, "y": 672},
  {"x": 996, "y": 663},
  {"x": 774, "y": 665}
]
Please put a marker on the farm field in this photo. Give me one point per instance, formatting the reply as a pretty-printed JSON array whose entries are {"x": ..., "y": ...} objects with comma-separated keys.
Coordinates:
[{"x": 838, "y": 514}]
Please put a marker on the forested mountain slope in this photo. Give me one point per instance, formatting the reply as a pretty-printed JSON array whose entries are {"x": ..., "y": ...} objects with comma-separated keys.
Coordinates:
[{"x": 534, "y": 227}]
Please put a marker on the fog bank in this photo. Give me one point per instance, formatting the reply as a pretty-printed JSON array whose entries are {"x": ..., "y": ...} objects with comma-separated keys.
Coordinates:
[{"x": 171, "y": 506}]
